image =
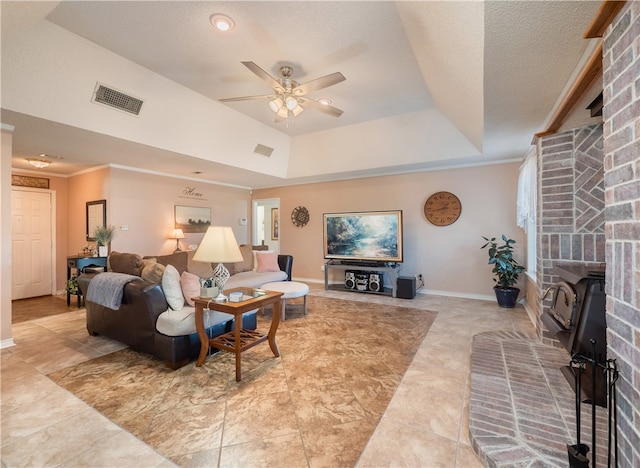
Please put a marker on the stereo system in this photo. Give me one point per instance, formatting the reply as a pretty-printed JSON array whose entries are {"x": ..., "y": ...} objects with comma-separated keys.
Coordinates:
[{"x": 363, "y": 280}]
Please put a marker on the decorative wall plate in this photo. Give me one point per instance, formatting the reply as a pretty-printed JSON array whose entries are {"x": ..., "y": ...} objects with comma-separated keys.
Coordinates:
[
  {"x": 442, "y": 208},
  {"x": 300, "y": 216}
]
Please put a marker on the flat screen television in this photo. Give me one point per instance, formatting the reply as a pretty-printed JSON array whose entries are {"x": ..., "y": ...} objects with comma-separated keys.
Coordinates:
[{"x": 370, "y": 236}]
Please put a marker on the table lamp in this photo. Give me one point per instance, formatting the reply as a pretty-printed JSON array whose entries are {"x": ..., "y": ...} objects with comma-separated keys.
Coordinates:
[
  {"x": 219, "y": 246},
  {"x": 177, "y": 234}
]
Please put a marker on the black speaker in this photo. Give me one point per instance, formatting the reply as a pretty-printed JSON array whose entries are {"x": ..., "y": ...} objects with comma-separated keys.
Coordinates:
[
  {"x": 375, "y": 281},
  {"x": 350, "y": 279},
  {"x": 406, "y": 287}
]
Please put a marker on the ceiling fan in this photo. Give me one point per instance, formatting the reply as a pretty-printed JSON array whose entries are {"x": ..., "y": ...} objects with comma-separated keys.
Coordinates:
[{"x": 289, "y": 98}]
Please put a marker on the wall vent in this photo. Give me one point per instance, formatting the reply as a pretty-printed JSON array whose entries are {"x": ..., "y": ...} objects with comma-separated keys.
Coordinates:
[
  {"x": 263, "y": 150},
  {"x": 117, "y": 100}
]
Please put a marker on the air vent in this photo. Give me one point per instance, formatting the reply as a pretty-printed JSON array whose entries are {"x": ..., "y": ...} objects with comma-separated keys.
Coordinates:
[
  {"x": 117, "y": 100},
  {"x": 263, "y": 150}
]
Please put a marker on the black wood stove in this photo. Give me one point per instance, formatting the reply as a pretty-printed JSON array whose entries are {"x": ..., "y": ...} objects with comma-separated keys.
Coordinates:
[{"x": 577, "y": 318}]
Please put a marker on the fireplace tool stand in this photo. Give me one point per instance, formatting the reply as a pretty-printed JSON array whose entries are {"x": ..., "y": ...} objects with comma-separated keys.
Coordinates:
[{"x": 577, "y": 453}]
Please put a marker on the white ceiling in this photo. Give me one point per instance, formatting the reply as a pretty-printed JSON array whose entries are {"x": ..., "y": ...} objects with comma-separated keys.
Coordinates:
[{"x": 494, "y": 71}]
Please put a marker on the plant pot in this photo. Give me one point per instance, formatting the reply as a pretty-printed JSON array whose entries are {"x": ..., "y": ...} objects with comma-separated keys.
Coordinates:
[
  {"x": 507, "y": 297},
  {"x": 103, "y": 251}
]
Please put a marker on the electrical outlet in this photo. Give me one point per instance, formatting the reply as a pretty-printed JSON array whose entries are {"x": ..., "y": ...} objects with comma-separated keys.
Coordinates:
[{"x": 322, "y": 267}]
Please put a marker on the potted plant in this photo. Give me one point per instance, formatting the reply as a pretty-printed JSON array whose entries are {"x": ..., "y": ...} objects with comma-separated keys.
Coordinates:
[
  {"x": 103, "y": 236},
  {"x": 506, "y": 270}
]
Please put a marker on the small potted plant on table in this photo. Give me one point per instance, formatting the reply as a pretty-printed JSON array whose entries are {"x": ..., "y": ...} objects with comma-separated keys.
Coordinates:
[
  {"x": 506, "y": 270},
  {"x": 103, "y": 236}
]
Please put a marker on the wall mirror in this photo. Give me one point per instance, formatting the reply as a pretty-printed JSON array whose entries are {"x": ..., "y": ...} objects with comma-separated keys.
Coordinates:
[{"x": 96, "y": 216}]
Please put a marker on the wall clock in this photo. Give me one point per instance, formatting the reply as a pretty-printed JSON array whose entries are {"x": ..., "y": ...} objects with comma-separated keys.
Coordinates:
[
  {"x": 442, "y": 208},
  {"x": 300, "y": 216}
]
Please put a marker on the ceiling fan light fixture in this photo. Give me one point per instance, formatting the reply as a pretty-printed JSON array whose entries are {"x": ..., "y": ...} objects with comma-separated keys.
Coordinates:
[
  {"x": 39, "y": 163},
  {"x": 276, "y": 104},
  {"x": 283, "y": 112},
  {"x": 221, "y": 22},
  {"x": 297, "y": 110},
  {"x": 291, "y": 102}
]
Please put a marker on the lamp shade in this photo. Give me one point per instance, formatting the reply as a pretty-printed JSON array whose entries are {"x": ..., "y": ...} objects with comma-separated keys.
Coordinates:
[
  {"x": 176, "y": 234},
  {"x": 218, "y": 246},
  {"x": 276, "y": 104}
]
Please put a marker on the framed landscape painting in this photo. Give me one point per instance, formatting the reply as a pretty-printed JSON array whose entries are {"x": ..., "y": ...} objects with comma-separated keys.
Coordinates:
[
  {"x": 274, "y": 224},
  {"x": 192, "y": 218}
]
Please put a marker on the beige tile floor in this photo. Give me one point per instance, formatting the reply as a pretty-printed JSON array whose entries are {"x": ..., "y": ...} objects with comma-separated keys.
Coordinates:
[{"x": 424, "y": 425}]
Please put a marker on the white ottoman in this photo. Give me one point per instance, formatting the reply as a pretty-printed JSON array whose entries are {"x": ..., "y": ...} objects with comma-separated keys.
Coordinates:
[{"x": 290, "y": 289}]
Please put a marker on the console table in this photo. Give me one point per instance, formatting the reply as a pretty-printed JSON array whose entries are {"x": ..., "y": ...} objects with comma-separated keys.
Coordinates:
[
  {"x": 391, "y": 270},
  {"x": 78, "y": 263}
]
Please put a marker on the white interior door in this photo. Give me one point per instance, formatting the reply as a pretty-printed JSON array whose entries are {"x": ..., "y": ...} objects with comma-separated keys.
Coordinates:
[{"x": 31, "y": 244}]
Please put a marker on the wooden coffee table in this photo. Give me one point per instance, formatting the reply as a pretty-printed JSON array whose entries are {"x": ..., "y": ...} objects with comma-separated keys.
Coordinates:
[{"x": 239, "y": 339}]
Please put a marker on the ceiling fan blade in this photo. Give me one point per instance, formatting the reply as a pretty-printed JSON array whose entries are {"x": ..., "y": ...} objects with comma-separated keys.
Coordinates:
[
  {"x": 271, "y": 81},
  {"x": 248, "y": 98},
  {"x": 322, "y": 82},
  {"x": 324, "y": 108}
]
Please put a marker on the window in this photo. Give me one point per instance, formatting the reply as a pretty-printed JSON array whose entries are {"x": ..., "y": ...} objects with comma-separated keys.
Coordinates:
[{"x": 526, "y": 206}]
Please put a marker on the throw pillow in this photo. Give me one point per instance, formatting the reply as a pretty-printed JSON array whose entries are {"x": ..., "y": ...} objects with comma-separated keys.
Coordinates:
[
  {"x": 201, "y": 269},
  {"x": 245, "y": 265},
  {"x": 171, "y": 288},
  {"x": 152, "y": 271},
  {"x": 267, "y": 261},
  {"x": 256, "y": 249},
  {"x": 190, "y": 284},
  {"x": 178, "y": 260},
  {"x": 128, "y": 263}
]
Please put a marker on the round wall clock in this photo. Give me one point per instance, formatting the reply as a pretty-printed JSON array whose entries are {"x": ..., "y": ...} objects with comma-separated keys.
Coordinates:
[
  {"x": 442, "y": 208},
  {"x": 300, "y": 216}
]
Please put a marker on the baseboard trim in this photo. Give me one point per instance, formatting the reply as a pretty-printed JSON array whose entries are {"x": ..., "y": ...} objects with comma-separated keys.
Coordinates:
[
  {"x": 8, "y": 343},
  {"x": 435, "y": 292}
]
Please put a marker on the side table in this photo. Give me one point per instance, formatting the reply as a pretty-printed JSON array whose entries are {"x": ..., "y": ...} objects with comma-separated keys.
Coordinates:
[
  {"x": 78, "y": 263},
  {"x": 239, "y": 339}
]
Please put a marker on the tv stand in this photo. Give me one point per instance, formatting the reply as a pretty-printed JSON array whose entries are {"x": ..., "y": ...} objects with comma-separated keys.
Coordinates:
[{"x": 387, "y": 269}]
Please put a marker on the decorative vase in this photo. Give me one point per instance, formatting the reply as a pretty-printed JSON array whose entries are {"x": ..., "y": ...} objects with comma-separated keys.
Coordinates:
[
  {"x": 506, "y": 297},
  {"x": 102, "y": 250}
]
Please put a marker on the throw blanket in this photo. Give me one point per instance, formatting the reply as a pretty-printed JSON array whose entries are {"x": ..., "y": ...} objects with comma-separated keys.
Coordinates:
[{"x": 106, "y": 288}]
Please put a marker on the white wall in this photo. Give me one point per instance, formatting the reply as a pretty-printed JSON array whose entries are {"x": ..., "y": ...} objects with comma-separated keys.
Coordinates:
[
  {"x": 448, "y": 257},
  {"x": 414, "y": 138},
  {"x": 146, "y": 204},
  {"x": 5, "y": 237},
  {"x": 173, "y": 117}
]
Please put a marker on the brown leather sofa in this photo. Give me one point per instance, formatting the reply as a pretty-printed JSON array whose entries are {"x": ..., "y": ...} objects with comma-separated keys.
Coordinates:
[{"x": 134, "y": 323}]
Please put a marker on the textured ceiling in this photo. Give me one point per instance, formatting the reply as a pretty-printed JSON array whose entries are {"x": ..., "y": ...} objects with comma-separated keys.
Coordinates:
[{"x": 494, "y": 70}]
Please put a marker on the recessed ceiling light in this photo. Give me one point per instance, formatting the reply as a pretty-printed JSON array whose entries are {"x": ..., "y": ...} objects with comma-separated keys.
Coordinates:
[
  {"x": 221, "y": 22},
  {"x": 325, "y": 101}
]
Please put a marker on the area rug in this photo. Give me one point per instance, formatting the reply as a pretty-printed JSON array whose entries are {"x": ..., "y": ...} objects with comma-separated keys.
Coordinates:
[{"x": 315, "y": 405}]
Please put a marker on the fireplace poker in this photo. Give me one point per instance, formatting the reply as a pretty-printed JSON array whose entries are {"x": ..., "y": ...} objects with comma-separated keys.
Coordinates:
[
  {"x": 578, "y": 453},
  {"x": 612, "y": 377}
]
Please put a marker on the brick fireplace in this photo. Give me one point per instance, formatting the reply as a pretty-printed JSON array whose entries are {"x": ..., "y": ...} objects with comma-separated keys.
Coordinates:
[
  {"x": 621, "y": 80},
  {"x": 572, "y": 207},
  {"x": 589, "y": 212}
]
